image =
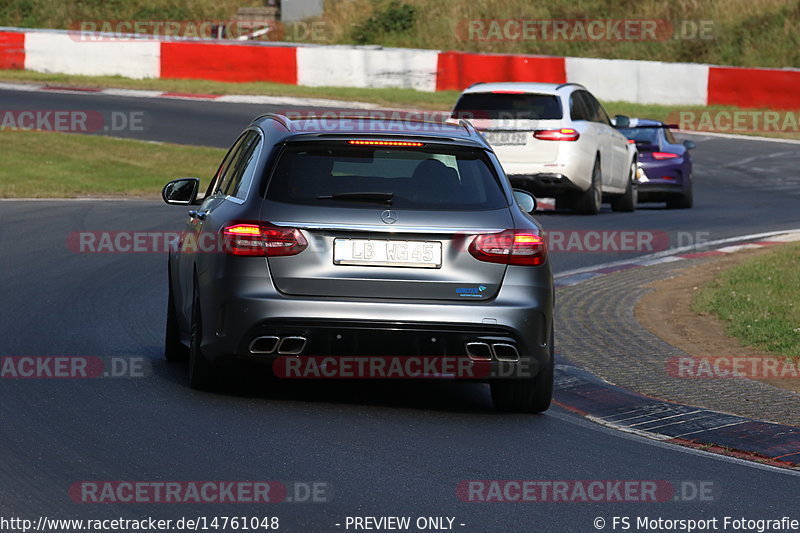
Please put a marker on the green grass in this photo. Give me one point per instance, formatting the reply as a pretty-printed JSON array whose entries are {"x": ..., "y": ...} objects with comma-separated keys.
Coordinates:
[
  {"x": 60, "y": 165},
  {"x": 759, "y": 300},
  {"x": 742, "y": 32},
  {"x": 64, "y": 13}
]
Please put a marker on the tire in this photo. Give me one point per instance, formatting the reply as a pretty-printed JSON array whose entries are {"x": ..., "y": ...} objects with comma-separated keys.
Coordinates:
[
  {"x": 201, "y": 373},
  {"x": 174, "y": 350},
  {"x": 627, "y": 202},
  {"x": 591, "y": 199},
  {"x": 682, "y": 201},
  {"x": 526, "y": 395}
]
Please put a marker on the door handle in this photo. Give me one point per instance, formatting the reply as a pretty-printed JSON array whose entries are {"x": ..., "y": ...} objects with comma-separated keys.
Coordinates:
[{"x": 199, "y": 215}]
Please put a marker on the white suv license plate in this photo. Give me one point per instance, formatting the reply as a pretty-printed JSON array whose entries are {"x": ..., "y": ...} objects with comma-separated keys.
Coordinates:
[
  {"x": 368, "y": 252},
  {"x": 505, "y": 138}
]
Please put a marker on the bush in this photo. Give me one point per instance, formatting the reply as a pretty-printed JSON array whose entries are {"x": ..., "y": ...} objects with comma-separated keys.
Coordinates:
[{"x": 387, "y": 18}]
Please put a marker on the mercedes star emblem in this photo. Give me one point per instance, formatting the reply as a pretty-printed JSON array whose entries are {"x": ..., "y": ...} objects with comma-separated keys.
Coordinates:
[{"x": 389, "y": 216}]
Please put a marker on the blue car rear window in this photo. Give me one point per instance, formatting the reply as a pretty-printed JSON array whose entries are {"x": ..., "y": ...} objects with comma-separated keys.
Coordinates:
[{"x": 641, "y": 135}]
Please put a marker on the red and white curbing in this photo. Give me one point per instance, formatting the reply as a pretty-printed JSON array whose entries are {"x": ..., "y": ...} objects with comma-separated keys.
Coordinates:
[
  {"x": 710, "y": 248},
  {"x": 646, "y": 82}
]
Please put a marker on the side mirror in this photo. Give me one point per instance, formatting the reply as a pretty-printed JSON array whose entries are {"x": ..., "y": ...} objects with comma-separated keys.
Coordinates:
[
  {"x": 181, "y": 192},
  {"x": 525, "y": 200},
  {"x": 690, "y": 145},
  {"x": 621, "y": 121}
]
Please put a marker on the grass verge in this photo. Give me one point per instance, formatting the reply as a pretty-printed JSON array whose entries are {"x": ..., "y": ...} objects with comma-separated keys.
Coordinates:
[
  {"x": 759, "y": 300},
  {"x": 59, "y": 165}
]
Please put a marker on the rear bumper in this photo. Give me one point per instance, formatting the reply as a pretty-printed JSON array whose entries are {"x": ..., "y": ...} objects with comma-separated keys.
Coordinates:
[
  {"x": 544, "y": 183},
  {"x": 668, "y": 171},
  {"x": 662, "y": 179},
  {"x": 652, "y": 187},
  {"x": 238, "y": 310},
  {"x": 473, "y": 352}
]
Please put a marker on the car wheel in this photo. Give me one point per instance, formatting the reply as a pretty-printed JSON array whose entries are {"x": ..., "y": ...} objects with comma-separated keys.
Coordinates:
[
  {"x": 526, "y": 395},
  {"x": 201, "y": 374},
  {"x": 174, "y": 350},
  {"x": 627, "y": 202},
  {"x": 682, "y": 201},
  {"x": 591, "y": 199}
]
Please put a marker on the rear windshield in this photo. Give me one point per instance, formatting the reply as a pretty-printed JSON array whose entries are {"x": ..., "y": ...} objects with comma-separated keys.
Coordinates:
[
  {"x": 429, "y": 177},
  {"x": 641, "y": 135},
  {"x": 508, "y": 106}
]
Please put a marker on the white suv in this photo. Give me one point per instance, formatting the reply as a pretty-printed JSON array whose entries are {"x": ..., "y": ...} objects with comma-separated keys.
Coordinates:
[{"x": 555, "y": 140}]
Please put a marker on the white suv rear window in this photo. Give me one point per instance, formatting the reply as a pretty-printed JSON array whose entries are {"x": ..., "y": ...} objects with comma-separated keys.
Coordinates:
[{"x": 508, "y": 106}]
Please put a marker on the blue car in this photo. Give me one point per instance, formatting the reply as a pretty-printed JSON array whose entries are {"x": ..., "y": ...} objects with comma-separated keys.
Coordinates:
[{"x": 665, "y": 165}]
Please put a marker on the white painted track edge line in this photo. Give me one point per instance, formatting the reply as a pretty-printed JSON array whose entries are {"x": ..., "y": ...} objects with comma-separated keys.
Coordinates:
[{"x": 674, "y": 251}]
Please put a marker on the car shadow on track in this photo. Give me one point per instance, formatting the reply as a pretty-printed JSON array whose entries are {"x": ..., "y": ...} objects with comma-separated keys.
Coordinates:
[{"x": 255, "y": 382}]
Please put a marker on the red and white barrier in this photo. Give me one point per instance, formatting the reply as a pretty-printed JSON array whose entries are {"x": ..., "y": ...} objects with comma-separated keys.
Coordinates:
[
  {"x": 228, "y": 62},
  {"x": 754, "y": 87},
  {"x": 350, "y": 66},
  {"x": 60, "y": 52},
  {"x": 12, "y": 50},
  {"x": 642, "y": 82},
  {"x": 457, "y": 70},
  {"x": 646, "y": 82}
]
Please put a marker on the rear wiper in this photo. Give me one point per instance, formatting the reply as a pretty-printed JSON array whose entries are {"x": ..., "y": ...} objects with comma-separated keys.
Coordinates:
[{"x": 381, "y": 197}]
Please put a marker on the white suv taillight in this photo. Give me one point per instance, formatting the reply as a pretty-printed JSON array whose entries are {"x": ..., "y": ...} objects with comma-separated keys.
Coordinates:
[
  {"x": 511, "y": 247},
  {"x": 264, "y": 240},
  {"x": 561, "y": 134}
]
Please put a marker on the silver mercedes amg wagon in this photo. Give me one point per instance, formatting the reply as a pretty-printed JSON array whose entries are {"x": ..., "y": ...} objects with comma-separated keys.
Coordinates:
[{"x": 363, "y": 236}]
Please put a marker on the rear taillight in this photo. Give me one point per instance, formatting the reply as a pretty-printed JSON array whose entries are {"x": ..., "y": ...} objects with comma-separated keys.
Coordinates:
[
  {"x": 562, "y": 134},
  {"x": 631, "y": 141},
  {"x": 264, "y": 240},
  {"x": 664, "y": 155},
  {"x": 510, "y": 248}
]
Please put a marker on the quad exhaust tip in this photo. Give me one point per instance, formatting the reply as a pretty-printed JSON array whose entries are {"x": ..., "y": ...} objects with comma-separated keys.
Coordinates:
[
  {"x": 505, "y": 352},
  {"x": 479, "y": 351},
  {"x": 264, "y": 345},
  {"x": 292, "y": 345},
  {"x": 269, "y": 344},
  {"x": 500, "y": 351}
]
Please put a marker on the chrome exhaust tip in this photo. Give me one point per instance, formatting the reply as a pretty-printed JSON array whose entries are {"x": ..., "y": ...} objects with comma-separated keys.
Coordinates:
[
  {"x": 505, "y": 352},
  {"x": 263, "y": 345},
  {"x": 478, "y": 351},
  {"x": 292, "y": 345}
]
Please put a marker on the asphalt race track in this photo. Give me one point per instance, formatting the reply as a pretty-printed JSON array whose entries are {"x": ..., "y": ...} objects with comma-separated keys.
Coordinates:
[{"x": 384, "y": 449}]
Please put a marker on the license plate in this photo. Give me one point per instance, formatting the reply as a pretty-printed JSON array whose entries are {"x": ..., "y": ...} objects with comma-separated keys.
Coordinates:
[
  {"x": 499, "y": 138},
  {"x": 368, "y": 252}
]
